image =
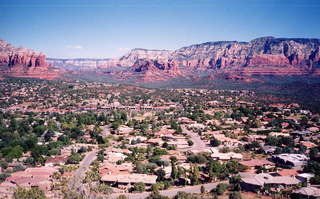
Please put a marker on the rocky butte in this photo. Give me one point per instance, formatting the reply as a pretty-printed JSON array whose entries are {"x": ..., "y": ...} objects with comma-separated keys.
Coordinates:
[{"x": 22, "y": 62}]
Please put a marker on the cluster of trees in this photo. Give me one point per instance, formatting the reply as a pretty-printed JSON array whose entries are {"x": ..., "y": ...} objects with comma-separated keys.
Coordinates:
[
  {"x": 32, "y": 193},
  {"x": 313, "y": 165},
  {"x": 19, "y": 136}
]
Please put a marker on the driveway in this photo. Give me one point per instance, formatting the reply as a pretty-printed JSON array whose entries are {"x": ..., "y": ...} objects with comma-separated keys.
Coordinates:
[
  {"x": 75, "y": 182},
  {"x": 198, "y": 143}
]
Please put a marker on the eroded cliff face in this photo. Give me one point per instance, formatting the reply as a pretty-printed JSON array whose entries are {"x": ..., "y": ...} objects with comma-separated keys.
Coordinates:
[
  {"x": 262, "y": 56},
  {"x": 22, "y": 62}
]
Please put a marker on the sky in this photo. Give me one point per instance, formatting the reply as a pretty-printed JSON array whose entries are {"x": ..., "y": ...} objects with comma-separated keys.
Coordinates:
[{"x": 110, "y": 28}]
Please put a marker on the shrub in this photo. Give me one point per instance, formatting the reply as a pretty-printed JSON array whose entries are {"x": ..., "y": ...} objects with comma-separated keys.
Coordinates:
[
  {"x": 215, "y": 142},
  {"x": 235, "y": 195},
  {"x": 3, "y": 176},
  {"x": 122, "y": 197},
  {"x": 220, "y": 189},
  {"x": 139, "y": 187},
  {"x": 103, "y": 188},
  {"x": 34, "y": 193}
]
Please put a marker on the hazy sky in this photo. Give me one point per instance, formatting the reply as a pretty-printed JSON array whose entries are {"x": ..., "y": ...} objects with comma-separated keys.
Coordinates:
[{"x": 108, "y": 28}]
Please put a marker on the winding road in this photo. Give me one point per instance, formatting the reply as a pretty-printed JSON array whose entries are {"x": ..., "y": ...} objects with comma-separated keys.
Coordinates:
[{"x": 75, "y": 182}]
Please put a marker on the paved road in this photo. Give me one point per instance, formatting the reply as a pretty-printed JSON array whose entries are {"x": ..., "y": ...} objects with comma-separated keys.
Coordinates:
[
  {"x": 75, "y": 182},
  {"x": 170, "y": 192},
  {"x": 198, "y": 143}
]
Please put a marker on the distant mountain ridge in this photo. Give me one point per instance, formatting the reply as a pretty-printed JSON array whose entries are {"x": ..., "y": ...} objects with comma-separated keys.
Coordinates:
[
  {"x": 261, "y": 56},
  {"x": 78, "y": 63},
  {"x": 234, "y": 59},
  {"x": 226, "y": 54}
]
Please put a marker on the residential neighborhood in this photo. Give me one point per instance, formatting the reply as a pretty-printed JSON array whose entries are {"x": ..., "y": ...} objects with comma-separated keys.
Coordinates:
[{"x": 87, "y": 139}]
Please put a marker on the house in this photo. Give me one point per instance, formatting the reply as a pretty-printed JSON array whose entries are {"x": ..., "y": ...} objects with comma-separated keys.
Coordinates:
[
  {"x": 290, "y": 160},
  {"x": 128, "y": 179},
  {"x": 124, "y": 130},
  {"x": 308, "y": 144},
  {"x": 164, "y": 132},
  {"x": 110, "y": 168},
  {"x": 257, "y": 163},
  {"x": 267, "y": 149},
  {"x": 216, "y": 155},
  {"x": 254, "y": 182},
  {"x": 196, "y": 126},
  {"x": 58, "y": 160},
  {"x": 277, "y": 134},
  {"x": 179, "y": 141},
  {"x": 33, "y": 177},
  {"x": 136, "y": 139},
  {"x": 226, "y": 141},
  {"x": 114, "y": 156},
  {"x": 305, "y": 177},
  {"x": 185, "y": 120},
  {"x": 155, "y": 141},
  {"x": 306, "y": 192},
  {"x": 287, "y": 172}
]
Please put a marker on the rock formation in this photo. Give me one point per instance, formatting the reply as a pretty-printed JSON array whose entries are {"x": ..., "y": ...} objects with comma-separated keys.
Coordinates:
[
  {"x": 261, "y": 56},
  {"x": 22, "y": 62}
]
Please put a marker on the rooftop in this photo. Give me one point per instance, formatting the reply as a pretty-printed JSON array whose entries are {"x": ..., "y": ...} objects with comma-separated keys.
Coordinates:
[{"x": 130, "y": 178}]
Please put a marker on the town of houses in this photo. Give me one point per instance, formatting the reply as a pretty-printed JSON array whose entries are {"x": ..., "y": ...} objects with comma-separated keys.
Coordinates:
[{"x": 72, "y": 139}]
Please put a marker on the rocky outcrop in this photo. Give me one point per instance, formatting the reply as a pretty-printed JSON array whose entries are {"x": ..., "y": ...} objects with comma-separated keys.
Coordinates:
[
  {"x": 138, "y": 53},
  {"x": 22, "y": 62},
  {"x": 12, "y": 56}
]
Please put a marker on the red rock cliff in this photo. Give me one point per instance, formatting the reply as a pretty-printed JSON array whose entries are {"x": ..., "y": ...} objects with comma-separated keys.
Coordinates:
[{"x": 22, "y": 62}]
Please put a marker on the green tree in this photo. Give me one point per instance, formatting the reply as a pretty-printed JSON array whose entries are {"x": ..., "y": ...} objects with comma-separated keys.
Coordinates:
[
  {"x": 3, "y": 176},
  {"x": 161, "y": 174},
  {"x": 12, "y": 152},
  {"x": 33, "y": 193},
  {"x": 39, "y": 130},
  {"x": 139, "y": 187},
  {"x": 174, "y": 169},
  {"x": 215, "y": 142},
  {"x": 194, "y": 174},
  {"x": 220, "y": 189}
]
